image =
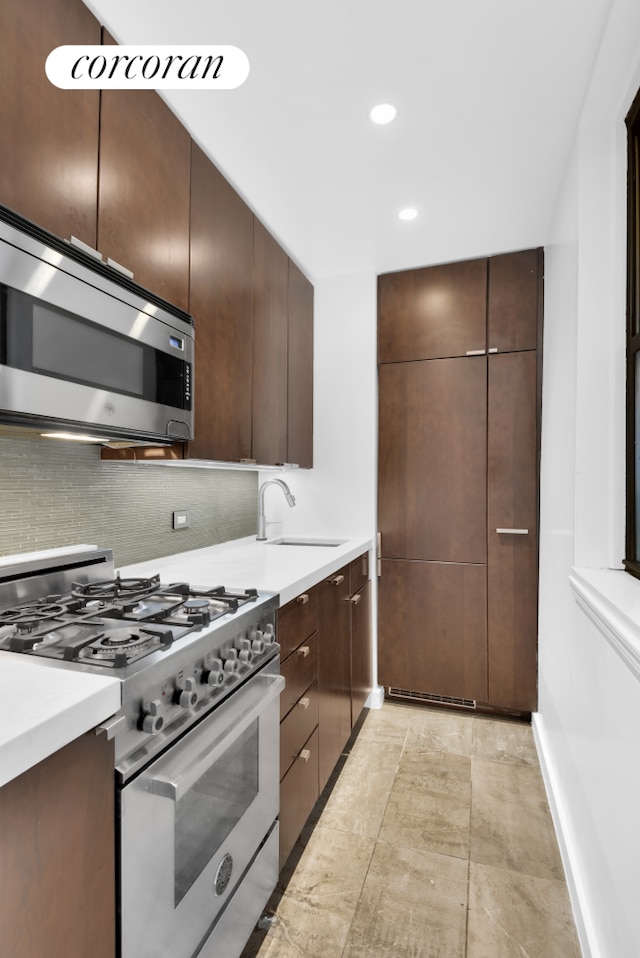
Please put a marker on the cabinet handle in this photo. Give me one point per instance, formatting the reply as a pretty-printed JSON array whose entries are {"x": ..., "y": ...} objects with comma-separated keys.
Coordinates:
[
  {"x": 304, "y": 755},
  {"x": 379, "y": 554},
  {"x": 513, "y": 532},
  {"x": 354, "y": 599},
  {"x": 475, "y": 352},
  {"x": 303, "y": 599},
  {"x": 304, "y": 703},
  {"x": 494, "y": 350},
  {"x": 304, "y": 651},
  {"x": 338, "y": 580}
]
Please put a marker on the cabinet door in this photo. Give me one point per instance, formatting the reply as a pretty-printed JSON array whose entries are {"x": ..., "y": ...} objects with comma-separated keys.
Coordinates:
[
  {"x": 432, "y": 459},
  {"x": 299, "y": 790},
  {"x": 221, "y": 301},
  {"x": 512, "y": 554},
  {"x": 361, "y": 664},
  {"x": 270, "y": 293},
  {"x": 432, "y": 628},
  {"x": 143, "y": 198},
  {"x": 434, "y": 312},
  {"x": 57, "y": 855},
  {"x": 334, "y": 671},
  {"x": 514, "y": 300},
  {"x": 300, "y": 400},
  {"x": 49, "y": 169}
]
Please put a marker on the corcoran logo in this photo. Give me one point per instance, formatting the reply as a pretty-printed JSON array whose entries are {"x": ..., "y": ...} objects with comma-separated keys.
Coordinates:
[{"x": 145, "y": 67}]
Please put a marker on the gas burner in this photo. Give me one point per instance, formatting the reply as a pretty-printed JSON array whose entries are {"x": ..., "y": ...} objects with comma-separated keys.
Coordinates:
[
  {"x": 195, "y": 605},
  {"x": 114, "y": 588},
  {"x": 119, "y": 647},
  {"x": 28, "y": 617}
]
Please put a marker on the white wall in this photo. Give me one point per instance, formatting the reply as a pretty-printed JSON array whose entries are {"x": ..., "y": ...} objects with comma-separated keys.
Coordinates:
[
  {"x": 587, "y": 726},
  {"x": 338, "y": 496}
]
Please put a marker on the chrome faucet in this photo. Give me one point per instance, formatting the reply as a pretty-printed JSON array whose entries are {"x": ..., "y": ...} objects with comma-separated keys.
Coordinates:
[{"x": 262, "y": 522}]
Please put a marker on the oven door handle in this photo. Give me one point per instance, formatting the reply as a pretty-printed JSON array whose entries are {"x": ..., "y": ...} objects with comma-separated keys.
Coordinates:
[{"x": 175, "y": 774}]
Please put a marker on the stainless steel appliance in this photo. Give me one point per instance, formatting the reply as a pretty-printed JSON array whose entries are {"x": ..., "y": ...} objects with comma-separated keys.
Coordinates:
[
  {"x": 196, "y": 739},
  {"x": 85, "y": 349}
]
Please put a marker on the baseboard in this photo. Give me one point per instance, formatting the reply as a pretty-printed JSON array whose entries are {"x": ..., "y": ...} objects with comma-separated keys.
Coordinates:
[
  {"x": 376, "y": 698},
  {"x": 566, "y": 845}
]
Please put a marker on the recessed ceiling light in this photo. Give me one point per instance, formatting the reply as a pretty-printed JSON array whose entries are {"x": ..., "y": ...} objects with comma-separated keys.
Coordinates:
[
  {"x": 382, "y": 113},
  {"x": 408, "y": 214}
]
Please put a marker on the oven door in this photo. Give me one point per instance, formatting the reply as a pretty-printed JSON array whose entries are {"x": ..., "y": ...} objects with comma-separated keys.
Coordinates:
[{"x": 194, "y": 820}]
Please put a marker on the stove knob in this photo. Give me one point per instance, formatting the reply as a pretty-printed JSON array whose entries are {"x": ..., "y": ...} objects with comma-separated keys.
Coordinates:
[
  {"x": 215, "y": 674},
  {"x": 269, "y": 635},
  {"x": 245, "y": 650},
  {"x": 152, "y": 721},
  {"x": 186, "y": 695},
  {"x": 230, "y": 657},
  {"x": 258, "y": 644}
]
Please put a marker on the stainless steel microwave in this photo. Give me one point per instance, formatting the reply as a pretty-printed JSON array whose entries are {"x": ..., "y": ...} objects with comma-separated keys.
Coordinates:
[{"x": 83, "y": 348}]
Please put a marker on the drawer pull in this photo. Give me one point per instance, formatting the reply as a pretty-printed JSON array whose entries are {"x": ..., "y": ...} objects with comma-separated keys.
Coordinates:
[
  {"x": 355, "y": 599},
  {"x": 304, "y": 651},
  {"x": 304, "y": 703},
  {"x": 338, "y": 580},
  {"x": 476, "y": 352},
  {"x": 513, "y": 532},
  {"x": 303, "y": 599},
  {"x": 304, "y": 755}
]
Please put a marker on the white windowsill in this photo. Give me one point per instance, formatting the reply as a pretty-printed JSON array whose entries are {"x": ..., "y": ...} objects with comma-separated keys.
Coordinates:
[{"x": 611, "y": 599}]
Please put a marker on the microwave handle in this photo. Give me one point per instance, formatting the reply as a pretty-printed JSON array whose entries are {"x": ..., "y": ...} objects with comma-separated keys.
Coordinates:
[{"x": 176, "y": 775}]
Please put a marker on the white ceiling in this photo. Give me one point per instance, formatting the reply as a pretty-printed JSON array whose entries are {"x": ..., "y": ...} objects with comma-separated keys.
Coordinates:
[{"x": 488, "y": 93}]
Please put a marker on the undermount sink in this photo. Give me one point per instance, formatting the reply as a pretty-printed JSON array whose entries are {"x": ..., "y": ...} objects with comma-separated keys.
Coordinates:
[{"x": 306, "y": 542}]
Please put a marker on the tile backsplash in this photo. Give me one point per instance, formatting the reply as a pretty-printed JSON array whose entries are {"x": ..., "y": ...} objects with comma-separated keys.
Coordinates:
[{"x": 56, "y": 493}]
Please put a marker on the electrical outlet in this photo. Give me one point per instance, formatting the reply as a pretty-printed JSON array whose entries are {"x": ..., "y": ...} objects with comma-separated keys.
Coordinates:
[{"x": 181, "y": 520}]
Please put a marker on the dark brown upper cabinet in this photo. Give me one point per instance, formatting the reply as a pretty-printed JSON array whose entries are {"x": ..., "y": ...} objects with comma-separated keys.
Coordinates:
[
  {"x": 270, "y": 348},
  {"x": 49, "y": 168},
  {"x": 300, "y": 371},
  {"x": 432, "y": 313},
  {"x": 144, "y": 192},
  {"x": 221, "y": 302},
  {"x": 514, "y": 301}
]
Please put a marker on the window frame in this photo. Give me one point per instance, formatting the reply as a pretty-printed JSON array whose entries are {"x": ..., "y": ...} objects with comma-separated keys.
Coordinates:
[{"x": 632, "y": 547}]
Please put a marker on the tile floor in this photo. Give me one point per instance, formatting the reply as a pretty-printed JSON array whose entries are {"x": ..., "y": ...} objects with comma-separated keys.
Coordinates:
[{"x": 435, "y": 842}]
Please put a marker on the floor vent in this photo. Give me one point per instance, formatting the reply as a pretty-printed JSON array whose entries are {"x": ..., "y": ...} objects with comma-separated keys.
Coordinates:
[{"x": 429, "y": 697}]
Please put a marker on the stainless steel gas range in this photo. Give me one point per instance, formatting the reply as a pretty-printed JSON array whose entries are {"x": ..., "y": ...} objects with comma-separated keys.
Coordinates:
[{"x": 196, "y": 739}]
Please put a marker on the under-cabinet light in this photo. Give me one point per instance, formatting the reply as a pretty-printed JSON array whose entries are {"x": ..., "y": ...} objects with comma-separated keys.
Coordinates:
[{"x": 408, "y": 214}]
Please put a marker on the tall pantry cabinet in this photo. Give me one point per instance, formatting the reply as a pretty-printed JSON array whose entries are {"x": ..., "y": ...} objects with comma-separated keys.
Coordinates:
[{"x": 459, "y": 351}]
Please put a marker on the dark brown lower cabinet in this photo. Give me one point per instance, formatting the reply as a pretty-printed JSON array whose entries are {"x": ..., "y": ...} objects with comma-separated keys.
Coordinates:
[
  {"x": 361, "y": 664},
  {"x": 299, "y": 792},
  {"x": 325, "y": 643},
  {"x": 334, "y": 671},
  {"x": 432, "y": 630},
  {"x": 57, "y": 855}
]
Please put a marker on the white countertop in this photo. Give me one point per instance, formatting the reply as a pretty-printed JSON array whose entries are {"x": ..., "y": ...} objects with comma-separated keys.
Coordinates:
[
  {"x": 45, "y": 707},
  {"x": 247, "y": 563}
]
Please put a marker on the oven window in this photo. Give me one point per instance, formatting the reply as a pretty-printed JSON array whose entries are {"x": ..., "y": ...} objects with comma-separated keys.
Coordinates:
[{"x": 207, "y": 814}]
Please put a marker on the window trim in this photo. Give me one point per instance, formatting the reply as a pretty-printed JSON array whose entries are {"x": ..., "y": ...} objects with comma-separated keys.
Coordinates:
[{"x": 632, "y": 552}]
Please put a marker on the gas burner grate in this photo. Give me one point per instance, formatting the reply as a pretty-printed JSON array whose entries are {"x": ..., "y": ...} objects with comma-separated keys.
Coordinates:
[{"x": 114, "y": 588}]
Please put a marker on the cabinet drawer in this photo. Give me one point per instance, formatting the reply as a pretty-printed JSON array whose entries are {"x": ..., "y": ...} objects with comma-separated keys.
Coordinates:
[
  {"x": 359, "y": 572},
  {"x": 297, "y": 726},
  {"x": 297, "y": 620},
  {"x": 300, "y": 670},
  {"x": 299, "y": 791}
]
